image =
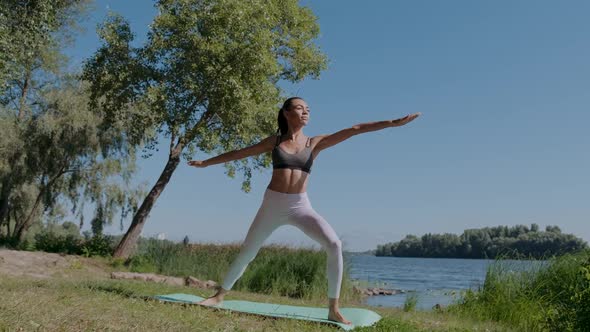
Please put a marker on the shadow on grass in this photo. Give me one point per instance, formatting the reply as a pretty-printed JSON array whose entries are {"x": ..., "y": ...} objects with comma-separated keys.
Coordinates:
[{"x": 115, "y": 288}]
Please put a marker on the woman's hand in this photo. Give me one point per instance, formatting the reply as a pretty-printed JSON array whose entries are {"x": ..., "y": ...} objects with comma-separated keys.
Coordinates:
[
  {"x": 405, "y": 119},
  {"x": 198, "y": 163}
]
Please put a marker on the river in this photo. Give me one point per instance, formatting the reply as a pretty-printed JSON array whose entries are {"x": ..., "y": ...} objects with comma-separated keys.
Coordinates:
[{"x": 433, "y": 280}]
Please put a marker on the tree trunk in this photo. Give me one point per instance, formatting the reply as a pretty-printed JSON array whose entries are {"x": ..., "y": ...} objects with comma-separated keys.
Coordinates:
[
  {"x": 8, "y": 233},
  {"x": 23, "y": 97},
  {"x": 21, "y": 229},
  {"x": 125, "y": 247},
  {"x": 4, "y": 195}
]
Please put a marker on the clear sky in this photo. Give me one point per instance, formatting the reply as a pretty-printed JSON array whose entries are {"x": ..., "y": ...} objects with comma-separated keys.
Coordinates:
[{"x": 503, "y": 88}]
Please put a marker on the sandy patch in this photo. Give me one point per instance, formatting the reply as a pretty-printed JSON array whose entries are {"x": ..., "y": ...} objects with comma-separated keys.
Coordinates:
[{"x": 39, "y": 264}]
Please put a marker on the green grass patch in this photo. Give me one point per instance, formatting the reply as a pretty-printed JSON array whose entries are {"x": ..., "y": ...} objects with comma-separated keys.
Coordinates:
[
  {"x": 551, "y": 297},
  {"x": 411, "y": 301},
  {"x": 114, "y": 305},
  {"x": 278, "y": 270}
]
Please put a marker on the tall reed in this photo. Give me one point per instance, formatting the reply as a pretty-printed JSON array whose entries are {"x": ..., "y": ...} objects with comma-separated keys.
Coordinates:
[
  {"x": 554, "y": 296},
  {"x": 277, "y": 269}
]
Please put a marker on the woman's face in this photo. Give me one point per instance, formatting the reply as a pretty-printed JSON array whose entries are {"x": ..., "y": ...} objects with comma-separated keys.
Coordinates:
[{"x": 298, "y": 114}]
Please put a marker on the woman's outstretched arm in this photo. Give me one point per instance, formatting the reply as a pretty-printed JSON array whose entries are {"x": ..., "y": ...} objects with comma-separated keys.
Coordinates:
[
  {"x": 263, "y": 146},
  {"x": 326, "y": 141}
]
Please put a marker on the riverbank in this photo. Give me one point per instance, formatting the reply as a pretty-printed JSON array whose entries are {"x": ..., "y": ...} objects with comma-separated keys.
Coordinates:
[{"x": 72, "y": 293}]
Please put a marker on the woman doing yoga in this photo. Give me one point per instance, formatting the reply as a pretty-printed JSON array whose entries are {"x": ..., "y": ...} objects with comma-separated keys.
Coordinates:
[{"x": 285, "y": 199}]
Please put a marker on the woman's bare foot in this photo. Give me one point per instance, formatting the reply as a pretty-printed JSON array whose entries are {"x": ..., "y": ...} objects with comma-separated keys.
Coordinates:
[
  {"x": 334, "y": 312},
  {"x": 337, "y": 316},
  {"x": 211, "y": 301},
  {"x": 214, "y": 300}
]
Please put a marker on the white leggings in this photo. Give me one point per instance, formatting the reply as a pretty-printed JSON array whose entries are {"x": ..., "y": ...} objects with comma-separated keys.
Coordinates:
[{"x": 279, "y": 209}]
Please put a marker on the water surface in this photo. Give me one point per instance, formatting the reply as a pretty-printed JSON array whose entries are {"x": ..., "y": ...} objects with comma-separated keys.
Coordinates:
[{"x": 434, "y": 280}]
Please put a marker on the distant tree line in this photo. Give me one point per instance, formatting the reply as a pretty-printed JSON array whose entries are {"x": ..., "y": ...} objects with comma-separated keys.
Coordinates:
[{"x": 518, "y": 241}]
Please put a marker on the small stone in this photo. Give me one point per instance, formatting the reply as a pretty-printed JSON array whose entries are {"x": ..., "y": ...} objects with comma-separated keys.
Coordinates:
[
  {"x": 194, "y": 282},
  {"x": 437, "y": 307}
]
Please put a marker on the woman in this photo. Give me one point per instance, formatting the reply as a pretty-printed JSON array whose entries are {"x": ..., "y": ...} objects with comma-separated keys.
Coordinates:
[{"x": 285, "y": 200}]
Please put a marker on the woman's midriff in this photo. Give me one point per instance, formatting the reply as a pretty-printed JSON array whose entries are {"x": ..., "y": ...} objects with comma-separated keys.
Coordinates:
[{"x": 288, "y": 181}]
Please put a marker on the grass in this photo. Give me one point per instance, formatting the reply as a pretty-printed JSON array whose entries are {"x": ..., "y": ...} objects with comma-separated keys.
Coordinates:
[
  {"x": 550, "y": 297},
  {"x": 411, "y": 302},
  {"x": 298, "y": 273},
  {"x": 108, "y": 305},
  {"x": 80, "y": 299}
]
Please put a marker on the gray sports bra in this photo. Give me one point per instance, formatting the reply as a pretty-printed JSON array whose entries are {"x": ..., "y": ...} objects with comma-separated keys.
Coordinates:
[{"x": 301, "y": 160}]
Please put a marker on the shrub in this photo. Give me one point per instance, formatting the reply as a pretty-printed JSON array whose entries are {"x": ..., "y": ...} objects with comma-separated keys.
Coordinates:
[
  {"x": 99, "y": 245},
  {"x": 52, "y": 242}
]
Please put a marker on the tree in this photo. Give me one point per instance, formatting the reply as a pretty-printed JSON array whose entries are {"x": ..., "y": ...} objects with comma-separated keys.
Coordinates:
[
  {"x": 207, "y": 79},
  {"x": 487, "y": 242},
  {"x": 31, "y": 35},
  {"x": 552, "y": 229},
  {"x": 55, "y": 148},
  {"x": 68, "y": 155},
  {"x": 27, "y": 51}
]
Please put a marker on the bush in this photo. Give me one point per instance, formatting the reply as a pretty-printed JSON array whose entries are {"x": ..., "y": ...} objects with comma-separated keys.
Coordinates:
[
  {"x": 99, "y": 245},
  {"x": 567, "y": 290},
  {"x": 71, "y": 244},
  {"x": 52, "y": 242},
  {"x": 142, "y": 264},
  {"x": 581, "y": 297}
]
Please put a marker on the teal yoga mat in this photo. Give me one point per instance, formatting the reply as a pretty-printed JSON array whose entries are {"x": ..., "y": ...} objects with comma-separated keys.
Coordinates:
[{"x": 358, "y": 316}]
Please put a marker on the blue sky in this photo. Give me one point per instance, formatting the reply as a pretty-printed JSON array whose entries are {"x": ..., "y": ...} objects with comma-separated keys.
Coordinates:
[{"x": 503, "y": 87}]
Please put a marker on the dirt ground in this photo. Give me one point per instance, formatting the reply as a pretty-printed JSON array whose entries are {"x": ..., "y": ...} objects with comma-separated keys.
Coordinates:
[{"x": 44, "y": 265}]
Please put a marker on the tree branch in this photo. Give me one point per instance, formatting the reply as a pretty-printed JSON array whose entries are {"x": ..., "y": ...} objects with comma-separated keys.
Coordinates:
[
  {"x": 23, "y": 97},
  {"x": 172, "y": 138},
  {"x": 190, "y": 135}
]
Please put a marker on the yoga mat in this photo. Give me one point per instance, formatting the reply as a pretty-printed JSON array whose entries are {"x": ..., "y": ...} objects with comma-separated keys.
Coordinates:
[{"x": 358, "y": 316}]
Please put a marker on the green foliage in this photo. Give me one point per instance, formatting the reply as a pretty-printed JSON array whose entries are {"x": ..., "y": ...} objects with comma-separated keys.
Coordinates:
[
  {"x": 54, "y": 149},
  {"x": 581, "y": 296},
  {"x": 117, "y": 262},
  {"x": 490, "y": 242},
  {"x": 277, "y": 270},
  {"x": 554, "y": 297},
  {"x": 142, "y": 264},
  {"x": 390, "y": 324},
  {"x": 63, "y": 240},
  {"x": 71, "y": 156},
  {"x": 293, "y": 273},
  {"x": 565, "y": 289},
  {"x": 98, "y": 245},
  {"x": 208, "y": 75},
  {"x": 52, "y": 242},
  {"x": 31, "y": 33}
]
